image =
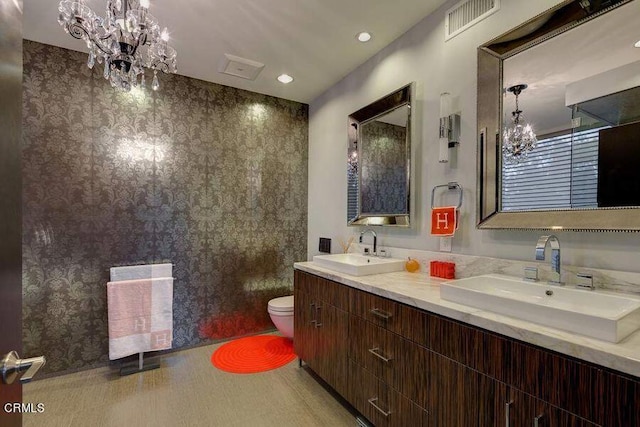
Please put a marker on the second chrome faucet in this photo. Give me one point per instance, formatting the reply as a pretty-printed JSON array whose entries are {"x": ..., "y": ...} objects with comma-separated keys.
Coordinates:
[
  {"x": 375, "y": 240},
  {"x": 556, "y": 274}
]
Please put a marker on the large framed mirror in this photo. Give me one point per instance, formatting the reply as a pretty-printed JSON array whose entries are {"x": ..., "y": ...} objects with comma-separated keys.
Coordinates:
[
  {"x": 379, "y": 162},
  {"x": 559, "y": 121}
]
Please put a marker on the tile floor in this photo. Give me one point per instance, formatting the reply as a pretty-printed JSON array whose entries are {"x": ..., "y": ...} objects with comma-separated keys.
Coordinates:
[{"x": 186, "y": 391}]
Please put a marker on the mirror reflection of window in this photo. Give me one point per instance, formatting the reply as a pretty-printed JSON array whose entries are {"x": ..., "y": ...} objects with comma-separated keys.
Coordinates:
[{"x": 561, "y": 173}]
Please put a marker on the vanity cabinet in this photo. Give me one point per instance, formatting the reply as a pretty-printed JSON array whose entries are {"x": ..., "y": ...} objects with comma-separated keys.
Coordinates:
[{"x": 402, "y": 366}]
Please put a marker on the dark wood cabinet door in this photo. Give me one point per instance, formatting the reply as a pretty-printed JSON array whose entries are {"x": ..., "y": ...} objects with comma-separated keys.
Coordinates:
[
  {"x": 397, "y": 361},
  {"x": 304, "y": 341},
  {"x": 321, "y": 329},
  {"x": 526, "y": 410},
  {"x": 463, "y": 397},
  {"x": 621, "y": 397},
  {"x": 522, "y": 409},
  {"x": 381, "y": 404},
  {"x": 491, "y": 401},
  {"x": 451, "y": 394},
  {"x": 332, "y": 328}
]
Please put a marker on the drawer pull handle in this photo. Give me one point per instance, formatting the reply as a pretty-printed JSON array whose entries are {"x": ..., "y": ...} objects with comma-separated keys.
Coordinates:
[
  {"x": 380, "y": 313},
  {"x": 379, "y": 409},
  {"x": 507, "y": 412},
  {"x": 536, "y": 420},
  {"x": 318, "y": 322},
  {"x": 375, "y": 351},
  {"x": 313, "y": 313}
]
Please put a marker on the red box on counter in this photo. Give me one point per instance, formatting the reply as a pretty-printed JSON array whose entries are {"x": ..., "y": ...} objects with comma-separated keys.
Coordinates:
[{"x": 445, "y": 270}]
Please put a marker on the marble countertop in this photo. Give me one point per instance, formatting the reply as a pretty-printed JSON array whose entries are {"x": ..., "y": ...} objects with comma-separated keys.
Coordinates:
[{"x": 422, "y": 291}]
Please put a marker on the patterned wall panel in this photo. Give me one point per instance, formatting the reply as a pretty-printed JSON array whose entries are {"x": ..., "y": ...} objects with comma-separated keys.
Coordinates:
[{"x": 208, "y": 177}]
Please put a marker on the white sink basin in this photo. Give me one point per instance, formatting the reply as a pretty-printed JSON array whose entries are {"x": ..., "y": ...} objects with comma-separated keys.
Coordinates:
[
  {"x": 591, "y": 313},
  {"x": 359, "y": 265}
]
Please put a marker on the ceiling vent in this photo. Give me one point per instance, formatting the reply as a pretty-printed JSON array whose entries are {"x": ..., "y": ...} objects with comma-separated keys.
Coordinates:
[
  {"x": 468, "y": 13},
  {"x": 240, "y": 67}
]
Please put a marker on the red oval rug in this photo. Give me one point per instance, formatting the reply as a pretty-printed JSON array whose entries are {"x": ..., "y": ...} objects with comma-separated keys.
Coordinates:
[{"x": 253, "y": 354}]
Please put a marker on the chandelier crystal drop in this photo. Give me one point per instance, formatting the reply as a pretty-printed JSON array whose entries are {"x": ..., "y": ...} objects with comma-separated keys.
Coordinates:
[
  {"x": 518, "y": 139},
  {"x": 352, "y": 161},
  {"x": 126, "y": 40}
]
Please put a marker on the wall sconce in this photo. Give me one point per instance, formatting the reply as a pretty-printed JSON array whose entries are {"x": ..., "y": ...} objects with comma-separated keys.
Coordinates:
[{"x": 449, "y": 127}]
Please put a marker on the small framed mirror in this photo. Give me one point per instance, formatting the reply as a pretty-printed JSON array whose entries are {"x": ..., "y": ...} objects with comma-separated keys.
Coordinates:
[{"x": 379, "y": 162}]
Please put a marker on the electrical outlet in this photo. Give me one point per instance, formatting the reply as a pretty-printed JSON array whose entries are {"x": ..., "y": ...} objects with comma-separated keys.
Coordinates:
[
  {"x": 445, "y": 244},
  {"x": 325, "y": 245}
]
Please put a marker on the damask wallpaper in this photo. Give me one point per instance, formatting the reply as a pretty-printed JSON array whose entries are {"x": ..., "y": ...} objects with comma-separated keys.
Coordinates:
[
  {"x": 208, "y": 177},
  {"x": 384, "y": 168}
]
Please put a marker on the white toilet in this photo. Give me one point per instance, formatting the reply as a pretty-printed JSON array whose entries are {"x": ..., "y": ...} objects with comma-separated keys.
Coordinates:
[{"x": 281, "y": 313}]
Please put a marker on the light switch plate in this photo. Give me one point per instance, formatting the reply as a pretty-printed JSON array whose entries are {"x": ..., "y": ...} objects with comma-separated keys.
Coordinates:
[{"x": 445, "y": 244}]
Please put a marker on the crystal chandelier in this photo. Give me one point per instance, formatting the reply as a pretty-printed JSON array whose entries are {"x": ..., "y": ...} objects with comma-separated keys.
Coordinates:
[
  {"x": 519, "y": 138},
  {"x": 118, "y": 39},
  {"x": 352, "y": 159}
]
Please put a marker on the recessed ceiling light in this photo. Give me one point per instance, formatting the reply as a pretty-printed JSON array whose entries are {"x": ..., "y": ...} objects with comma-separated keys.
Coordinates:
[
  {"x": 285, "y": 78},
  {"x": 364, "y": 36},
  {"x": 637, "y": 44}
]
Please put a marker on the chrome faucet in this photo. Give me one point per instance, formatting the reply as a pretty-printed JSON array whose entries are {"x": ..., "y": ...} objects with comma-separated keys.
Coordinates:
[
  {"x": 375, "y": 240},
  {"x": 556, "y": 275}
]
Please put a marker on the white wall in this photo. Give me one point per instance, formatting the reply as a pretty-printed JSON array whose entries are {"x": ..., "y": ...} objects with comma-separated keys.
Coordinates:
[{"x": 423, "y": 56}]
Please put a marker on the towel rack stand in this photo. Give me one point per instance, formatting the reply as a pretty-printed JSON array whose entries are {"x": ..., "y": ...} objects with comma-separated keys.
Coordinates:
[
  {"x": 126, "y": 272},
  {"x": 139, "y": 367}
]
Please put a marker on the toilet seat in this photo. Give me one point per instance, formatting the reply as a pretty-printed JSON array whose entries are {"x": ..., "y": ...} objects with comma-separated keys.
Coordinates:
[{"x": 281, "y": 305}]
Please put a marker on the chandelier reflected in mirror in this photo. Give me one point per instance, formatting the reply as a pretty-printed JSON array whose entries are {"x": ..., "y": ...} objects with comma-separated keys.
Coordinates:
[
  {"x": 518, "y": 138},
  {"x": 127, "y": 40}
]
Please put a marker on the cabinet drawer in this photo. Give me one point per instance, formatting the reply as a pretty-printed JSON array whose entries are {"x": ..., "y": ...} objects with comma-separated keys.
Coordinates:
[
  {"x": 393, "y": 316},
  {"x": 381, "y": 404},
  {"x": 398, "y": 362},
  {"x": 321, "y": 289},
  {"x": 526, "y": 410},
  {"x": 563, "y": 382}
]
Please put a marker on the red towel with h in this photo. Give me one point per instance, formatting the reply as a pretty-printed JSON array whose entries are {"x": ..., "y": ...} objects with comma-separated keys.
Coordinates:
[{"x": 443, "y": 221}]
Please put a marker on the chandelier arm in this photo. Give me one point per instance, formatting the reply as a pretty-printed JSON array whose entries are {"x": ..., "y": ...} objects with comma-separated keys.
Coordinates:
[
  {"x": 159, "y": 65},
  {"x": 104, "y": 47},
  {"x": 77, "y": 30}
]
